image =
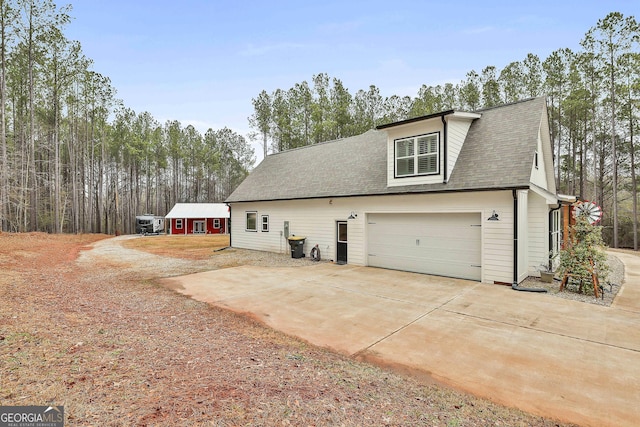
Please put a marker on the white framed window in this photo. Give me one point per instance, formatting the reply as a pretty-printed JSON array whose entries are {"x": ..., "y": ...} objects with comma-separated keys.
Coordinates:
[
  {"x": 252, "y": 221},
  {"x": 556, "y": 236},
  {"x": 179, "y": 224},
  {"x": 216, "y": 222},
  {"x": 265, "y": 223},
  {"x": 418, "y": 155},
  {"x": 535, "y": 160}
]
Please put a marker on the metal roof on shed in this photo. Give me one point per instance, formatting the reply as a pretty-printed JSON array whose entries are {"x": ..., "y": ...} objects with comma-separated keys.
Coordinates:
[{"x": 199, "y": 210}]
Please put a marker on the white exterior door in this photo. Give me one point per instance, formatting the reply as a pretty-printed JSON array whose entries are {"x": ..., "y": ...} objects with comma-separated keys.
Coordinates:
[
  {"x": 198, "y": 227},
  {"x": 341, "y": 242},
  {"x": 431, "y": 243}
]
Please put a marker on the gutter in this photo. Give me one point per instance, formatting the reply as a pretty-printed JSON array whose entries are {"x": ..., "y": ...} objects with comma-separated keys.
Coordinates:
[
  {"x": 414, "y": 119},
  {"x": 515, "y": 285},
  {"x": 390, "y": 193}
]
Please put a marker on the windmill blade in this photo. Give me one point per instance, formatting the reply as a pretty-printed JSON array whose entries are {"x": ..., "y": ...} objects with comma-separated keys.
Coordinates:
[{"x": 589, "y": 209}]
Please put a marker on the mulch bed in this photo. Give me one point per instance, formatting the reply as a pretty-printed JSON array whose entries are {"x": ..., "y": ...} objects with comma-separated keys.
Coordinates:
[{"x": 572, "y": 290}]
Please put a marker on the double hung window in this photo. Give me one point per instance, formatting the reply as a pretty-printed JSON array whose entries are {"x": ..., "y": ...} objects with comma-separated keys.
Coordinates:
[{"x": 417, "y": 155}]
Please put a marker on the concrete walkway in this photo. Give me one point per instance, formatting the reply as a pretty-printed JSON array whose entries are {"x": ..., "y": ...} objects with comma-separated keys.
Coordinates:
[{"x": 558, "y": 358}]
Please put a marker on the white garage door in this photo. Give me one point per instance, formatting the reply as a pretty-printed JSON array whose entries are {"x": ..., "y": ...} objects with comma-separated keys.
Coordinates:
[{"x": 440, "y": 244}]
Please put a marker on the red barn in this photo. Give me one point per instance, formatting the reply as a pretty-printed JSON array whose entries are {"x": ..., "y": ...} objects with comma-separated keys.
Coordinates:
[{"x": 199, "y": 218}]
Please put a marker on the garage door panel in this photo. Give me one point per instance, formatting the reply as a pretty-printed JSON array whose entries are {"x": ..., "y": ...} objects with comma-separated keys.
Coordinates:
[
  {"x": 422, "y": 252},
  {"x": 439, "y": 236},
  {"x": 420, "y": 242},
  {"x": 440, "y": 244},
  {"x": 420, "y": 230},
  {"x": 446, "y": 268}
]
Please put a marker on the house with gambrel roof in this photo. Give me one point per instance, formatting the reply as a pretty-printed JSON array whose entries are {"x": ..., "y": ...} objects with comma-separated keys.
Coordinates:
[{"x": 459, "y": 194}]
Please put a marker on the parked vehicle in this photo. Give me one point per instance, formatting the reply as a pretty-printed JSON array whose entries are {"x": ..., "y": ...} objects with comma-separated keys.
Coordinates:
[{"x": 149, "y": 224}]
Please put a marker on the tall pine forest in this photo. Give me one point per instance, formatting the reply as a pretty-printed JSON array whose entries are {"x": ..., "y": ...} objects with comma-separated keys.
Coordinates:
[
  {"x": 593, "y": 98},
  {"x": 75, "y": 159}
]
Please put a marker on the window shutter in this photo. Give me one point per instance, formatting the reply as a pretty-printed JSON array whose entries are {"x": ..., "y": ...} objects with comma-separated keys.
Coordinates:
[
  {"x": 428, "y": 164},
  {"x": 404, "y": 148},
  {"x": 404, "y": 166}
]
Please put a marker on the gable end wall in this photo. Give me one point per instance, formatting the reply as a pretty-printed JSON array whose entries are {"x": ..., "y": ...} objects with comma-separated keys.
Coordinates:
[
  {"x": 538, "y": 231},
  {"x": 456, "y": 133}
]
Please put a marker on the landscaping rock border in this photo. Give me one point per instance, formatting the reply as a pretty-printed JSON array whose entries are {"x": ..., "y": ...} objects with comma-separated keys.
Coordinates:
[{"x": 611, "y": 287}]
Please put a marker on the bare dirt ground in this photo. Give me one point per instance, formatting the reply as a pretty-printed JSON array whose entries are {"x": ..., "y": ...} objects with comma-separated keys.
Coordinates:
[{"x": 93, "y": 332}]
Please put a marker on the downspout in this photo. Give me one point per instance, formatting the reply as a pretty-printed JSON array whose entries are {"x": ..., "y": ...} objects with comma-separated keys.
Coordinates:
[
  {"x": 444, "y": 173},
  {"x": 515, "y": 285},
  {"x": 515, "y": 239}
]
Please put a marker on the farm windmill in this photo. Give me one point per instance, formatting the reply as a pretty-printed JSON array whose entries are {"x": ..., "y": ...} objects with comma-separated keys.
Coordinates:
[
  {"x": 590, "y": 210},
  {"x": 584, "y": 260}
]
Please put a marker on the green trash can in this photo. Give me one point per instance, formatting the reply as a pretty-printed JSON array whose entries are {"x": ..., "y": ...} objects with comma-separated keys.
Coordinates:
[{"x": 297, "y": 246}]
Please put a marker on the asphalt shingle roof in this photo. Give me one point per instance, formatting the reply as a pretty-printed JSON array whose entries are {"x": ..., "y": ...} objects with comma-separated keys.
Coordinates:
[{"x": 497, "y": 153}]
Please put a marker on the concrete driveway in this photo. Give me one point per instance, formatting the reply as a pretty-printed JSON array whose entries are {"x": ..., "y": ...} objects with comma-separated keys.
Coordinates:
[{"x": 568, "y": 360}]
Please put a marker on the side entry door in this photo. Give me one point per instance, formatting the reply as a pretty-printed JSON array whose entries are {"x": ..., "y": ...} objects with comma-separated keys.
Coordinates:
[{"x": 341, "y": 243}]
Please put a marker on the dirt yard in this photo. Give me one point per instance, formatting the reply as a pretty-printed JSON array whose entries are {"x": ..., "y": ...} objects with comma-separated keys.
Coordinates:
[{"x": 97, "y": 335}]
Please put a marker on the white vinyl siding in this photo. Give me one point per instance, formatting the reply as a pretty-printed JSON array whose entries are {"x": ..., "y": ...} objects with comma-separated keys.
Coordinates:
[
  {"x": 538, "y": 172},
  {"x": 456, "y": 133},
  {"x": 316, "y": 220},
  {"x": 546, "y": 155},
  {"x": 538, "y": 231},
  {"x": 523, "y": 234}
]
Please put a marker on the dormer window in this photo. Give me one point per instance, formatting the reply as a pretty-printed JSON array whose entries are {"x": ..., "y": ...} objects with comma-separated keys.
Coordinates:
[{"x": 417, "y": 155}]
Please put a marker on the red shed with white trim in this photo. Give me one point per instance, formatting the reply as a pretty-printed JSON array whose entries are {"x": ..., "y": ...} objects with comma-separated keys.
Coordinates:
[{"x": 198, "y": 218}]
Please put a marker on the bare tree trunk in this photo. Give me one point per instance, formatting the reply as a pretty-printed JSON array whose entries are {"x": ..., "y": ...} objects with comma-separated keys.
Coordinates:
[
  {"x": 90, "y": 123},
  {"x": 116, "y": 225},
  {"x": 101, "y": 186},
  {"x": 32, "y": 181},
  {"x": 594, "y": 149},
  {"x": 57, "y": 221},
  {"x": 4, "y": 165},
  {"x": 157, "y": 210},
  {"x": 614, "y": 154},
  {"x": 583, "y": 162},
  {"x": 634, "y": 186}
]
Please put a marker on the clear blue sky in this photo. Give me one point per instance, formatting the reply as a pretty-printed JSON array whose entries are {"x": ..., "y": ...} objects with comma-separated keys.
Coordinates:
[{"x": 201, "y": 62}]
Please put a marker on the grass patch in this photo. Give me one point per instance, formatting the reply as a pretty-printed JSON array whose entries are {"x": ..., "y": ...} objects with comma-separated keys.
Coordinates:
[{"x": 186, "y": 247}]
